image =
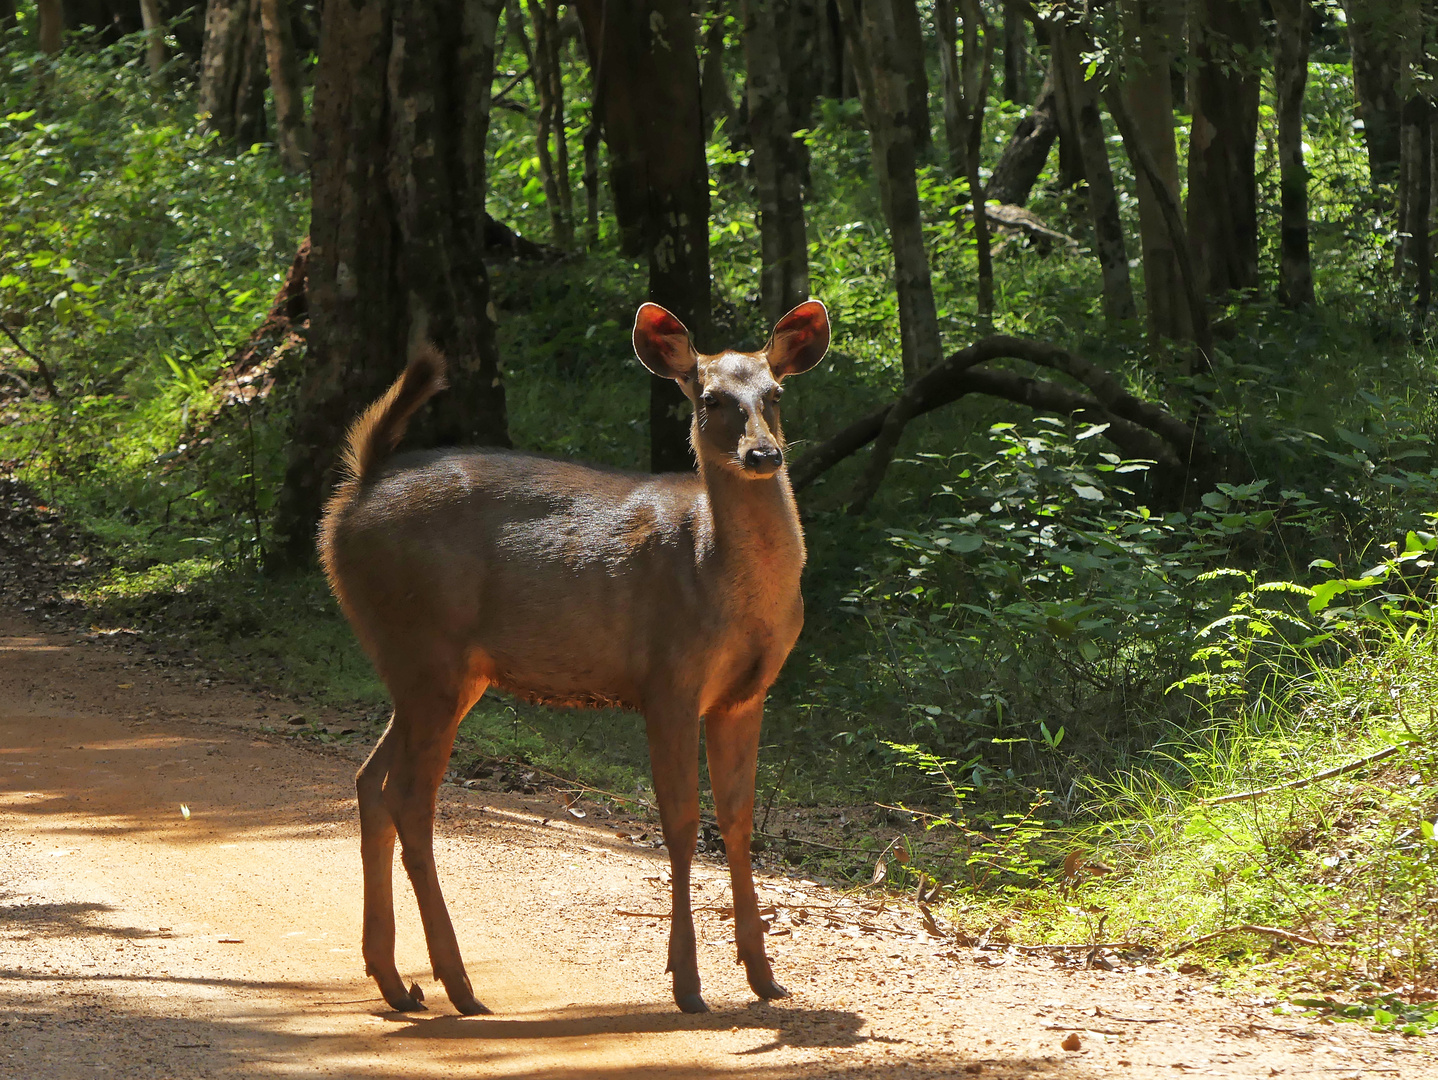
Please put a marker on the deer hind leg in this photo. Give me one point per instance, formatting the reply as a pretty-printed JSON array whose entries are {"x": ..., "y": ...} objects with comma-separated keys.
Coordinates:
[
  {"x": 427, "y": 715},
  {"x": 732, "y": 739},
  {"x": 674, "y": 759},
  {"x": 377, "y": 836}
]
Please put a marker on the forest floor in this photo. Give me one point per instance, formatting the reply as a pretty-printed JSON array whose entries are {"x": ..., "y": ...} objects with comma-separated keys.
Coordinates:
[{"x": 137, "y": 942}]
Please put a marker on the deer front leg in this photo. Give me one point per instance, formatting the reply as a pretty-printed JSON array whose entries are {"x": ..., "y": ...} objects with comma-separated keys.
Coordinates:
[
  {"x": 732, "y": 738},
  {"x": 673, "y": 731}
]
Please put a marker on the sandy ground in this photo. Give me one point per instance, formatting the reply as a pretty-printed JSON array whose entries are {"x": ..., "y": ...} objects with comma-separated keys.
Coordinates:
[{"x": 137, "y": 943}]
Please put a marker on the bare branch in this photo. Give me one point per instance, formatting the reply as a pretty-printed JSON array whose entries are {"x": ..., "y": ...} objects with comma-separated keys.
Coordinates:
[{"x": 40, "y": 365}]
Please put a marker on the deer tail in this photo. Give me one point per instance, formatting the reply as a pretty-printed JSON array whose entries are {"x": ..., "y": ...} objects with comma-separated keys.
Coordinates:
[{"x": 373, "y": 437}]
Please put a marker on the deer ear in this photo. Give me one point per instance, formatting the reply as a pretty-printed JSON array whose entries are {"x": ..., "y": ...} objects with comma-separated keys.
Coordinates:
[
  {"x": 799, "y": 341},
  {"x": 662, "y": 343}
]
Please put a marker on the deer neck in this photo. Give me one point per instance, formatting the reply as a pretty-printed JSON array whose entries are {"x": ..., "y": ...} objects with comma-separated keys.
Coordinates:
[{"x": 756, "y": 531}]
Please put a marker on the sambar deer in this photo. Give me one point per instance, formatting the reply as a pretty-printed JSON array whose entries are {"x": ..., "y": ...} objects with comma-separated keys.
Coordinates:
[{"x": 673, "y": 595}]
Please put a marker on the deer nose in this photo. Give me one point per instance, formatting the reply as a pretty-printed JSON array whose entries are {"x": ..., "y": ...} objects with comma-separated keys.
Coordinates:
[{"x": 763, "y": 459}]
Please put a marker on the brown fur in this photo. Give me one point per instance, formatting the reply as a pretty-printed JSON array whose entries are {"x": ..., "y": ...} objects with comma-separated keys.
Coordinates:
[{"x": 675, "y": 595}]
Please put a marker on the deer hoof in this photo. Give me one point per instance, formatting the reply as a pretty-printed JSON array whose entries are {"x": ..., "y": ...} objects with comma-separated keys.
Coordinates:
[
  {"x": 690, "y": 1003},
  {"x": 472, "y": 1006},
  {"x": 410, "y": 1002},
  {"x": 770, "y": 990}
]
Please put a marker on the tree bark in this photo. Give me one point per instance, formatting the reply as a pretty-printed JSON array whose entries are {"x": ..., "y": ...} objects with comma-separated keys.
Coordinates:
[
  {"x": 290, "y": 130},
  {"x": 233, "y": 72},
  {"x": 966, "y": 90},
  {"x": 154, "y": 24},
  {"x": 1416, "y": 171},
  {"x": 52, "y": 25},
  {"x": 401, "y": 111},
  {"x": 714, "y": 92},
  {"x": 1149, "y": 37},
  {"x": 1027, "y": 152},
  {"x": 1290, "y": 72},
  {"x": 1375, "y": 29},
  {"x": 653, "y": 123},
  {"x": 876, "y": 49},
  {"x": 1222, "y": 187},
  {"x": 1016, "y": 57},
  {"x": 549, "y": 85},
  {"x": 778, "y": 166},
  {"x": 909, "y": 53},
  {"x": 1078, "y": 96}
]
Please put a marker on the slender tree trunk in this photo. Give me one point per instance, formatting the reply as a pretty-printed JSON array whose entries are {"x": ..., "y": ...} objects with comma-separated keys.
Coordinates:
[
  {"x": 778, "y": 166},
  {"x": 1222, "y": 186},
  {"x": 653, "y": 123},
  {"x": 1016, "y": 57},
  {"x": 154, "y": 23},
  {"x": 52, "y": 25},
  {"x": 1416, "y": 142},
  {"x": 966, "y": 90},
  {"x": 1290, "y": 66},
  {"x": 291, "y": 133},
  {"x": 714, "y": 92},
  {"x": 549, "y": 83},
  {"x": 833, "y": 53},
  {"x": 1375, "y": 29},
  {"x": 880, "y": 67},
  {"x": 1079, "y": 97},
  {"x": 799, "y": 22},
  {"x": 1148, "y": 41},
  {"x": 402, "y": 99},
  {"x": 1027, "y": 153},
  {"x": 233, "y": 72}
]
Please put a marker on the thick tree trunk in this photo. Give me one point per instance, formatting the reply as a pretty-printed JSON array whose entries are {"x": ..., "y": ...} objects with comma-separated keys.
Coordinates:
[
  {"x": 1375, "y": 30},
  {"x": 1290, "y": 66},
  {"x": 778, "y": 165},
  {"x": 154, "y": 23},
  {"x": 799, "y": 22},
  {"x": 1027, "y": 153},
  {"x": 1416, "y": 171},
  {"x": 880, "y": 67},
  {"x": 549, "y": 85},
  {"x": 653, "y": 123},
  {"x": 1222, "y": 187},
  {"x": 1149, "y": 38},
  {"x": 52, "y": 25},
  {"x": 233, "y": 72},
  {"x": 1078, "y": 97},
  {"x": 401, "y": 104},
  {"x": 1016, "y": 56},
  {"x": 290, "y": 130},
  {"x": 833, "y": 58},
  {"x": 909, "y": 54}
]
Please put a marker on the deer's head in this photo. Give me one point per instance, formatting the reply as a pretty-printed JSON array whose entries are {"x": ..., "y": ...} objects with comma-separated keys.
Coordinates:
[{"x": 735, "y": 394}]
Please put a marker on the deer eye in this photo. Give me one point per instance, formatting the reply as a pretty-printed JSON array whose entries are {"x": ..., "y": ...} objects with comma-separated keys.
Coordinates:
[
  {"x": 776, "y": 393},
  {"x": 711, "y": 399}
]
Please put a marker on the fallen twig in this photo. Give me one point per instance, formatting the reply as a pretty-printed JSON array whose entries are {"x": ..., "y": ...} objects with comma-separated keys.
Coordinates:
[
  {"x": 1252, "y": 928},
  {"x": 1327, "y": 774},
  {"x": 1044, "y": 948}
]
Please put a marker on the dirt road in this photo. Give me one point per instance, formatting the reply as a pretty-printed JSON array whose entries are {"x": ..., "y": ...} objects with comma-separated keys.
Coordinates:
[{"x": 135, "y": 942}]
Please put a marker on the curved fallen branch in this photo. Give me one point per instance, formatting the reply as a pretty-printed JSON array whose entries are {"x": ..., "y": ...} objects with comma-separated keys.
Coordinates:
[
  {"x": 1251, "y": 928},
  {"x": 1140, "y": 429},
  {"x": 1327, "y": 774}
]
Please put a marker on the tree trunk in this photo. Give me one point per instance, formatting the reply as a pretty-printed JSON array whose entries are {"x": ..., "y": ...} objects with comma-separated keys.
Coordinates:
[
  {"x": 799, "y": 22},
  {"x": 833, "y": 57},
  {"x": 401, "y": 111},
  {"x": 1016, "y": 57},
  {"x": 290, "y": 130},
  {"x": 880, "y": 67},
  {"x": 778, "y": 166},
  {"x": 1290, "y": 74},
  {"x": 1416, "y": 171},
  {"x": 910, "y": 54},
  {"x": 1375, "y": 29},
  {"x": 549, "y": 85},
  {"x": 714, "y": 92},
  {"x": 1079, "y": 98},
  {"x": 653, "y": 123},
  {"x": 154, "y": 24},
  {"x": 1027, "y": 153},
  {"x": 966, "y": 91},
  {"x": 1222, "y": 188},
  {"x": 1149, "y": 38},
  {"x": 52, "y": 25},
  {"x": 233, "y": 72}
]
